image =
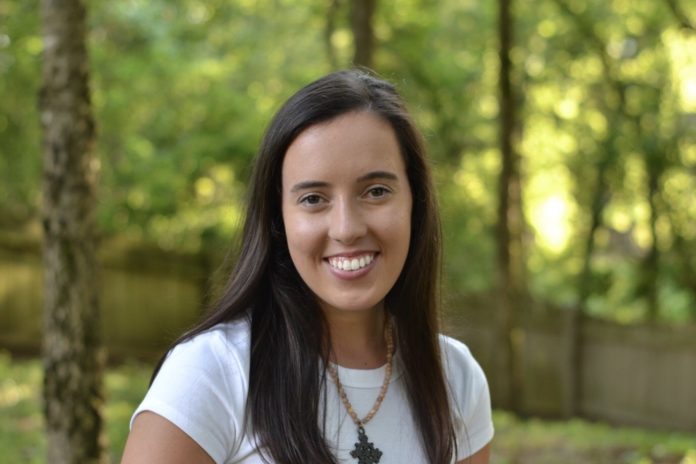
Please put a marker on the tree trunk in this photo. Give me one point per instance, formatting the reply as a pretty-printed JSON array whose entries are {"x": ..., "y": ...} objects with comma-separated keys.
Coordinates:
[
  {"x": 72, "y": 358},
  {"x": 329, "y": 29},
  {"x": 363, "y": 32},
  {"x": 614, "y": 111},
  {"x": 651, "y": 264},
  {"x": 600, "y": 199},
  {"x": 510, "y": 221},
  {"x": 573, "y": 400},
  {"x": 656, "y": 160}
]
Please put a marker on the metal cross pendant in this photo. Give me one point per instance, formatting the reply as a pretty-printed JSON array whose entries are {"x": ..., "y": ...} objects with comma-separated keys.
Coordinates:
[{"x": 365, "y": 452}]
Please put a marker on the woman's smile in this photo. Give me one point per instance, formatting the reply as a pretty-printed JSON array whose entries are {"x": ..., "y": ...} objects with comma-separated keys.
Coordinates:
[{"x": 351, "y": 265}]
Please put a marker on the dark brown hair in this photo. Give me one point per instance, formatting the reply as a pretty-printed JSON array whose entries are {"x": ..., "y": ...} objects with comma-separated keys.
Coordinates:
[{"x": 288, "y": 329}]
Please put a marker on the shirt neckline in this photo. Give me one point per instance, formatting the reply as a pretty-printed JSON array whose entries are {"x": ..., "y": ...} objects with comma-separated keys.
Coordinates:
[{"x": 368, "y": 378}]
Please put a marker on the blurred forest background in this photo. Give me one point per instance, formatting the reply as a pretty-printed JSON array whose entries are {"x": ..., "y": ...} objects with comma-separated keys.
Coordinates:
[
  {"x": 183, "y": 89},
  {"x": 597, "y": 219}
]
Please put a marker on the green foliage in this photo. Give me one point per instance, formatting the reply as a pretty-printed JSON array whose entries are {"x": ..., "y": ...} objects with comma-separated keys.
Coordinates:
[
  {"x": 21, "y": 427},
  {"x": 20, "y": 73},
  {"x": 183, "y": 89},
  {"x": 580, "y": 441},
  {"x": 446, "y": 69},
  {"x": 125, "y": 388},
  {"x": 22, "y": 437},
  {"x": 614, "y": 117}
]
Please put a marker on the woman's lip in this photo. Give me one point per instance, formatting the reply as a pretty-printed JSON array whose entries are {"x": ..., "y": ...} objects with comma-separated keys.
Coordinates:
[{"x": 351, "y": 275}]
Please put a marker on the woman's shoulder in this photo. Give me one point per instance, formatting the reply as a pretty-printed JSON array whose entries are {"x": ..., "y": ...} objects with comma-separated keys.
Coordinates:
[
  {"x": 218, "y": 349},
  {"x": 470, "y": 397},
  {"x": 462, "y": 369},
  {"x": 232, "y": 335},
  {"x": 455, "y": 350},
  {"x": 201, "y": 388}
]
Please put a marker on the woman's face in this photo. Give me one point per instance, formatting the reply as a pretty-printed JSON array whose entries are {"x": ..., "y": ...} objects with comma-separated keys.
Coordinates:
[{"x": 347, "y": 210}]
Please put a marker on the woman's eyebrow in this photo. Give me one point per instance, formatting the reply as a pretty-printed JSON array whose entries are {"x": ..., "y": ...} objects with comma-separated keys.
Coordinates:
[
  {"x": 311, "y": 184},
  {"x": 308, "y": 184},
  {"x": 378, "y": 175}
]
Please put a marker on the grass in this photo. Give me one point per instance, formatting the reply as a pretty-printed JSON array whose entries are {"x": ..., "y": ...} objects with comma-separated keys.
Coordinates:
[
  {"x": 516, "y": 441},
  {"x": 21, "y": 420},
  {"x": 579, "y": 441}
]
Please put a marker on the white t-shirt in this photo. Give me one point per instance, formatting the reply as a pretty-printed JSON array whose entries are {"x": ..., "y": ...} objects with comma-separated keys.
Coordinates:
[{"x": 202, "y": 388}]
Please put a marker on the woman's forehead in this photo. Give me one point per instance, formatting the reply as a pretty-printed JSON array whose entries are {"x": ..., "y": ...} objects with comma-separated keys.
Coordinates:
[{"x": 351, "y": 145}]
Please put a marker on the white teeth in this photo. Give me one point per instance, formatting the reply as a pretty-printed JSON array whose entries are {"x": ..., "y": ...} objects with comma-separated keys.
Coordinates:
[{"x": 351, "y": 264}]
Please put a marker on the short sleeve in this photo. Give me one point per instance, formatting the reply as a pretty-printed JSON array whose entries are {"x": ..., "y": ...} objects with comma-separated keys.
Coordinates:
[
  {"x": 201, "y": 389},
  {"x": 470, "y": 397}
]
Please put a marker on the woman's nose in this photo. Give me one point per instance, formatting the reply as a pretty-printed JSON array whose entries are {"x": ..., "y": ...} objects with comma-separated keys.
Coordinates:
[{"x": 346, "y": 223}]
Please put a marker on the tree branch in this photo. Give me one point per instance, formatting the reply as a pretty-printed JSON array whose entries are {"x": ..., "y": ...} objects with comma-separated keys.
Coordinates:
[
  {"x": 683, "y": 20},
  {"x": 585, "y": 27}
]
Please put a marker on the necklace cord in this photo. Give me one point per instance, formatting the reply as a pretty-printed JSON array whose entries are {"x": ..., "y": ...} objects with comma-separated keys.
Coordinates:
[{"x": 333, "y": 371}]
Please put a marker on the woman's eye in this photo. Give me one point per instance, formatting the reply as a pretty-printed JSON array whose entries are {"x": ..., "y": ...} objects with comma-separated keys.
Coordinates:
[
  {"x": 378, "y": 192},
  {"x": 310, "y": 200}
]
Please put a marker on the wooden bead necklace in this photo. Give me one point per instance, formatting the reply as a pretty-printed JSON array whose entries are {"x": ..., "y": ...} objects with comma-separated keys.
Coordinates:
[{"x": 365, "y": 451}]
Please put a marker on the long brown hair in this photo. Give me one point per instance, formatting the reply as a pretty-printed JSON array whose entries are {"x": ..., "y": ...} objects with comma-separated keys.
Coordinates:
[{"x": 288, "y": 329}]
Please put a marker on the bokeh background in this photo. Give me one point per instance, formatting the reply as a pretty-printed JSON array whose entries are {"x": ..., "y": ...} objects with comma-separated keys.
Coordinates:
[{"x": 589, "y": 314}]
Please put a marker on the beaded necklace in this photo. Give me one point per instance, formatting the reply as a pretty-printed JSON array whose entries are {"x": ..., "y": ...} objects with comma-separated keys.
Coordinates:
[{"x": 365, "y": 451}]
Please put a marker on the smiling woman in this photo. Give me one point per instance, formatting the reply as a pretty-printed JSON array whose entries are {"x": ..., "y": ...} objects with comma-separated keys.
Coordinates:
[
  {"x": 347, "y": 211},
  {"x": 337, "y": 275}
]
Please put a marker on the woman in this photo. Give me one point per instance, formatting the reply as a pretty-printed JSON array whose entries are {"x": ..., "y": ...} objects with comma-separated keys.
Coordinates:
[{"x": 324, "y": 347}]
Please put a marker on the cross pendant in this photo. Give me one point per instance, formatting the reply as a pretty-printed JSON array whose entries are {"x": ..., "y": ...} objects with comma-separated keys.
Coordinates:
[{"x": 365, "y": 452}]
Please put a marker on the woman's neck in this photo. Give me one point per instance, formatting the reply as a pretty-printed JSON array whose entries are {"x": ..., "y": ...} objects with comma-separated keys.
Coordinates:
[{"x": 357, "y": 338}]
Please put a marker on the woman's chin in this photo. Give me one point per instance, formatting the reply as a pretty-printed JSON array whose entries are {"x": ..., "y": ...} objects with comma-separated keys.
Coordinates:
[{"x": 350, "y": 306}]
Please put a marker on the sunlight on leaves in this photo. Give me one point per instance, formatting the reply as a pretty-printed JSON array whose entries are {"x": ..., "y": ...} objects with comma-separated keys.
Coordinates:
[
  {"x": 689, "y": 458},
  {"x": 682, "y": 49},
  {"x": 551, "y": 219}
]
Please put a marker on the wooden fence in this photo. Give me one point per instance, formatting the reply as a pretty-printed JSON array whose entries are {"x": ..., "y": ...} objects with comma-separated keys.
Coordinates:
[{"x": 632, "y": 374}]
